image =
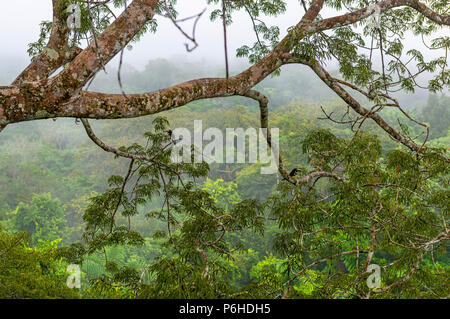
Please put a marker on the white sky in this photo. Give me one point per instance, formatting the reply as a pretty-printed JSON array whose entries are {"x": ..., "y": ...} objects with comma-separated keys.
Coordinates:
[{"x": 20, "y": 19}]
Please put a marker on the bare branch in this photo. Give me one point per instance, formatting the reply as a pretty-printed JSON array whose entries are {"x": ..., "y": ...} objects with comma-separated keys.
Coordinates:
[{"x": 111, "y": 149}]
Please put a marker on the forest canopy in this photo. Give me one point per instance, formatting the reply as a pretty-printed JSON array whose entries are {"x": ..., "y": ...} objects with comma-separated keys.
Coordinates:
[{"x": 362, "y": 171}]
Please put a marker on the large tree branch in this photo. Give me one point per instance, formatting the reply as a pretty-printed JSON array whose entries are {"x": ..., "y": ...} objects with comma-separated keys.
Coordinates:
[
  {"x": 90, "y": 104},
  {"x": 312, "y": 12},
  {"x": 355, "y": 105},
  {"x": 55, "y": 53},
  {"x": 115, "y": 37},
  {"x": 60, "y": 98},
  {"x": 430, "y": 14},
  {"x": 35, "y": 101},
  {"x": 352, "y": 17}
]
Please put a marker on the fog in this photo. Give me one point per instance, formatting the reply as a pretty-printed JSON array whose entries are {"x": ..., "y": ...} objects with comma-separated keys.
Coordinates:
[
  {"x": 19, "y": 26},
  {"x": 20, "y": 19}
]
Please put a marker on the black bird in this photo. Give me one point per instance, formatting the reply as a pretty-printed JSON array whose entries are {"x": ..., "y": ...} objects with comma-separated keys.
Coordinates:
[
  {"x": 169, "y": 132},
  {"x": 294, "y": 172}
]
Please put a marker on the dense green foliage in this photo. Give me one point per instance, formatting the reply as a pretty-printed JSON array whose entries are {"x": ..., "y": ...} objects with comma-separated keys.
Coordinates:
[
  {"x": 151, "y": 228},
  {"x": 224, "y": 230},
  {"x": 31, "y": 272}
]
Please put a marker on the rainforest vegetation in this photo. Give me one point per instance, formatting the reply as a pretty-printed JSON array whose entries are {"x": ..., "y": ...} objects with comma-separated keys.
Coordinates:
[
  {"x": 93, "y": 205},
  {"x": 54, "y": 182}
]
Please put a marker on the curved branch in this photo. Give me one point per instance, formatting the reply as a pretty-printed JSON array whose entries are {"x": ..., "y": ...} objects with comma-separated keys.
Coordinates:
[
  {"x": 356, "y": 106},
  {"x": 352, "y": 17},
  {"x": 114, "y": 38},
  {"x": 111, "y": 149},
  {"x": 403, "y": 279},
  {"x": 181, "y": 94},
  {"x": 264, "y": 119},
  {"x": 120, "y": 153},
  {"x": 60, "y": 97},
  {"x": 430, "y": 14}
]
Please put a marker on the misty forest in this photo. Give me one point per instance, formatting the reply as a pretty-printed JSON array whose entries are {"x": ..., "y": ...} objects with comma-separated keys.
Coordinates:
[{"x": 359, "y": 90}]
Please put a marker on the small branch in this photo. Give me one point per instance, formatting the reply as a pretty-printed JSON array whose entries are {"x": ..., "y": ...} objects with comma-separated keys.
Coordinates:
[
  {"x": 122, "y": 192},
  {"x": 401, "y": 280},
  {"x": 225, "y": 44},
  {"x": 111, "y": 149},
  {"x": 264, "y": 119},
  {"x": 319, "y": 262},
  {"x": 356, "y": 106},
  {"x": 176, "y": 24}
]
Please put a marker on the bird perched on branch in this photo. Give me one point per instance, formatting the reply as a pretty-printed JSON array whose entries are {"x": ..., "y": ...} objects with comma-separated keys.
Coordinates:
[
  {"x": 169, "y": 132},
  {"x": 294, "y": 172}
]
